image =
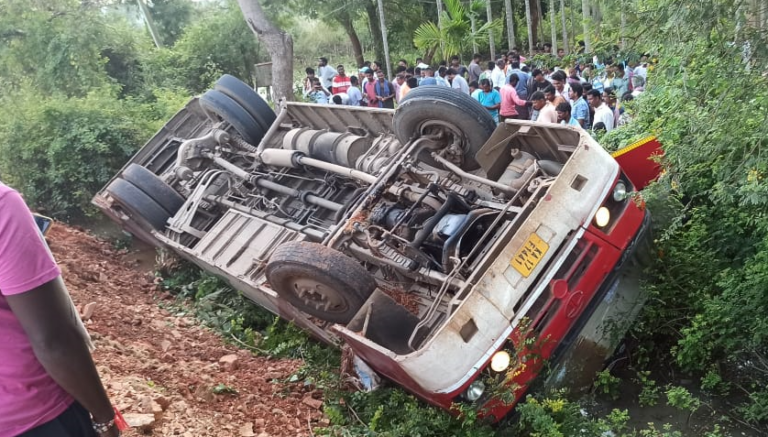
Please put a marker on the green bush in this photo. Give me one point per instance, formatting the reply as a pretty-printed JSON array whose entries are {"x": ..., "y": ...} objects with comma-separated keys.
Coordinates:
[{"x": 59, "y": 151}]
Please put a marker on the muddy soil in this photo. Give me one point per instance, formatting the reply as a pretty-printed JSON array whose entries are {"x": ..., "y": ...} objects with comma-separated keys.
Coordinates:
[{"x": 166, "y": 371}]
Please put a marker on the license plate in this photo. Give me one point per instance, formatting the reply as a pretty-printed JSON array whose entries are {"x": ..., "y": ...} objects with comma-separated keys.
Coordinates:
[{"x": 528, "y": 257}]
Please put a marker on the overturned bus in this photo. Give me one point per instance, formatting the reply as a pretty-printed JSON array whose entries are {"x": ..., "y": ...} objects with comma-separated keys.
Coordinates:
[{"x": 465, "y": 261}]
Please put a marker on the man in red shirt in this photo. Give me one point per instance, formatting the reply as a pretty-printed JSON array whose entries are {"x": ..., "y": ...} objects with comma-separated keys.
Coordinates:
[{"x": 340, "y": 82}]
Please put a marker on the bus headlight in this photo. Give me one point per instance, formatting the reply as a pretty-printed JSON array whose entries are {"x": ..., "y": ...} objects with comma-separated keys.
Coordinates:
[
  {"x": 500, "y": 361},
  {"x": 474, "y": 391},
  {"x": 603, "y": 217},
  {"x": 619, "y": 192}
]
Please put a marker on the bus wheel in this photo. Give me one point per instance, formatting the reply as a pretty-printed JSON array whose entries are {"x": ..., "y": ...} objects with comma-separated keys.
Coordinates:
[
  {"x": 449, "y": 117},
  {"x": 319, "y": 281},
  {"x": 154, "y": 187},
  {"x": 147, "y": 213},
  {"x": 219, "y": 106}
]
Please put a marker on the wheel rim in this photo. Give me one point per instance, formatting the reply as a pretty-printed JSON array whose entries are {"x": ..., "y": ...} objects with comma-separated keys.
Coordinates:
[
  {"x": 317, "y": 295},
  {"x": 451, "y": 141}
]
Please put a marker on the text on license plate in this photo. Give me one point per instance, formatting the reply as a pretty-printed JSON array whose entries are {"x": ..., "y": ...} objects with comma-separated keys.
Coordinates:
[{"x": 528, "y": 257}]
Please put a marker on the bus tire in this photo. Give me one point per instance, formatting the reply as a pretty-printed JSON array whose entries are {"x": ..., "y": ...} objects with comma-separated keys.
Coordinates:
[
  {"x": 319, "y": 281},
  {"x": 437, "y": 108}
]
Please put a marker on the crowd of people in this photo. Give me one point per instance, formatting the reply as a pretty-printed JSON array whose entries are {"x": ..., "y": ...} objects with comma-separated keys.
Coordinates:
[{"x": 589, "y": 96}]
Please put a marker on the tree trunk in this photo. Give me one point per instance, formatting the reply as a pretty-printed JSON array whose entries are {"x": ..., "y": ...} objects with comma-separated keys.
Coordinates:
[
  {"x": 384, "y": 39},
  {"x": 539, "y": 23},
  {"x": 623, "y": 25},
  {"x": 529, "y": 22},
  {"x": 373, "y": 20},
  {"x": 510, "y": 23},
  {"x": 490, "y": 34},
  {"x": 346, "y": 22},
  {"x": 473, "y": 23},
  {"x": 573, "y": 27},
  {"x": 156, "y": 38},
  {"x": 278, "y": 43},
  {"x": 597, "y": 15},
  {"x": 585, "y": 21},
  {"x": 553, "y": 25},
  {"x": 440, "y": 26},
  {"x": 566, "y": 46}
]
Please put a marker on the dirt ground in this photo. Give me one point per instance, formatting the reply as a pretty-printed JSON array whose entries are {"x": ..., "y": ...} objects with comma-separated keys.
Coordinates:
[{"x": 167, "y": 372}]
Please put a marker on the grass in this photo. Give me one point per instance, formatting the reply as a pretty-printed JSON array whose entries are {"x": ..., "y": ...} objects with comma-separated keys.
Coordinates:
[{"x": 388, "y": 411}]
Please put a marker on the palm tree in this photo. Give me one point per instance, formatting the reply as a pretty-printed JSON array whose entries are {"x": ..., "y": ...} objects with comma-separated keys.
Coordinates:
[
  {"x": 510, "y": 23},
  {"x": 566, "y": 46},
  {"x": 455, "y": 34},
  {"x": 553, "y": 25},
  {"x": 384, "y": 39},
  {"x": 490, "y": 36},
  {"x": 585, "y": 20},
  {"x": 474, "y": 9},
  {"x": 529, "y": 22}
]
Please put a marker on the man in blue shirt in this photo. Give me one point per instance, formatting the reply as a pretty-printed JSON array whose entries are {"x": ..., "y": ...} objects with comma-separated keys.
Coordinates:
[
  {"x": 579, "y": 106},
  {"x": 354, "y": 93},
  {"x": 490, "y": 99},
  {"x": 564, "y": 115},
  {"x": 429, "y": 78}
]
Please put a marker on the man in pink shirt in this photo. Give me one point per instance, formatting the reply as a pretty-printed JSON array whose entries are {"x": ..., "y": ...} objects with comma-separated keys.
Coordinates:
[
  {"x": 49, "y": 386},
  {"x": 509, "y": 99}
]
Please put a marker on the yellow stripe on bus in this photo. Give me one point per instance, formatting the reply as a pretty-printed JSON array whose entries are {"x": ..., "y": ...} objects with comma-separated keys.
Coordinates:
[{"x": 633, "y": 146}]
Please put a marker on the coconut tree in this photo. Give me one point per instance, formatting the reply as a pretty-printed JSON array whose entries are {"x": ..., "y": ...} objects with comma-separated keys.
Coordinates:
[
  {"x": 566, "y": 46},
  {"x": 455, "y": 33},
  {"x": 553, "y": 25},
  {"x": 510, "y": 23},
  {"x": 585, "y": 21},
  {"x": 529, "y": 22},
  {"x": 490, "y": 36}
]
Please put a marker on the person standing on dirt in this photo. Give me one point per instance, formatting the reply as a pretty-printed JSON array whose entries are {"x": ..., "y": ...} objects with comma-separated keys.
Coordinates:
[{"x": 49, "y": 386}]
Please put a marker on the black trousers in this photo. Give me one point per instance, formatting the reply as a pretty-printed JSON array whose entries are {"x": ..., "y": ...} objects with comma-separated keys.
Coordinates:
[{"x": 74, "y": 422}]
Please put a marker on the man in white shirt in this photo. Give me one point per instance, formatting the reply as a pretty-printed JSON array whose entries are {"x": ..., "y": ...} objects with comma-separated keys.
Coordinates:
[
  {"x": 457, "y": 82},
  {"x": 325, "y": 73},
  {"x": 603, "y": 113},
  {"x": 498, "y": 77},
  {"x": 560, "y": 83},
  {"x": 545, "y": 109}
]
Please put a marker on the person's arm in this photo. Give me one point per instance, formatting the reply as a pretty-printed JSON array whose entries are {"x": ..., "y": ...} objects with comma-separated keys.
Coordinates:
[
  {"x": 45, "y": 313},
  {"x": 516, "y": 99},
  {"x": 32, "y": 286}
]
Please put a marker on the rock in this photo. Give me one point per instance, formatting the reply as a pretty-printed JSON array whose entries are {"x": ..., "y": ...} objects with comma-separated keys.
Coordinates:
[
  {"x": 263, "y": 434},
  {"x": 204, "y": 394},
  {"x": 163, "y": 402},
  {"x": 88, "y": 311},
  {"x": 259, "y": 423},
  {"x": 229, "y": 362},
  {"x": 247, "y": 430},
  {"x": 165, "y": 345},
  {"x": 312, "y": 402},
  {"x": 144, "y": 422}
]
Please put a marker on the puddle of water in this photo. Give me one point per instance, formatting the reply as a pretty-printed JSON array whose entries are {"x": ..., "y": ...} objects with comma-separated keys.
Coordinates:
[{"x": 143, "y": 255}]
